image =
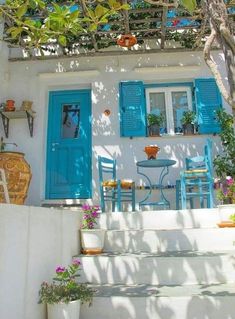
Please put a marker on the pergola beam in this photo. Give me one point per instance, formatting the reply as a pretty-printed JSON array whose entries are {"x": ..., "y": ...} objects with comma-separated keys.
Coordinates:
[{"x": 163, "y": 27}]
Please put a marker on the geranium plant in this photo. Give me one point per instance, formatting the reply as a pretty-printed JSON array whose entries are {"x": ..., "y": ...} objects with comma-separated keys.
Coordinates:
[
  {"x": 90, "y": 216},
  {"x": 227, "y": 193},
  {"x": 64, "y": 287}
]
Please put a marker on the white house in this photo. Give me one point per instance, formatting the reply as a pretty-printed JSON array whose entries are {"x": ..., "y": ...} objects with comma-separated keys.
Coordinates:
[{"x": 166, "y": 82}]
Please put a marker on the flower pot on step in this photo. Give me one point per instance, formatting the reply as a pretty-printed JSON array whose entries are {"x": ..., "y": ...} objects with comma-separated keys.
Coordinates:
[
  {"x": 92, "y": 241},
  {"x": 70, "y": 310}
]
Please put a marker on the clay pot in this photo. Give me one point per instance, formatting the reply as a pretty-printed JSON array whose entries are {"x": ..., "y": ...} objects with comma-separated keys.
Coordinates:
[
  {"x": 127, "y": 40},
  {"x": 26, "y": 105},
  {"x": 18, "y": 176},
  {"x": 151, "y": 151},
  {"x": 10, "y": 106}
]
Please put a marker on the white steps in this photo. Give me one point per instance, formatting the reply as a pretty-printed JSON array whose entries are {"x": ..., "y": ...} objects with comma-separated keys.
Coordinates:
[
  {"x": 163, "y": 265},
  {"x": 177, "y": 268},
  {"x": 154, "y": 302},
  {"x": 149, "y": 240}
]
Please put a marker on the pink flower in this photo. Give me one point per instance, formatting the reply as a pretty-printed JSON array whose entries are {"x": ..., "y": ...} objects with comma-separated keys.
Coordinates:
[
  {"x": 77, "y": 262},
  {"x": 95, "y": 214},
  {"x": 229, "y": 180},
  {"x": 86, "y": 207},
  {"x": 60, "y": 270}
]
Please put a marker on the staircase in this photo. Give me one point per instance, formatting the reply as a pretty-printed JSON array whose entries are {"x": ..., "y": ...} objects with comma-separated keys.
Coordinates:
[{"x": 163, "y": 265}]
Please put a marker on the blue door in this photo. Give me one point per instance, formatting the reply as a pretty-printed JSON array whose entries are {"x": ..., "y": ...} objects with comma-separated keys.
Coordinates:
[{"x": 69, "y": 145}]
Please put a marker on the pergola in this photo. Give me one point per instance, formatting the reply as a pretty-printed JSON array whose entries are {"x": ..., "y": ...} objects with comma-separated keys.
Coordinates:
[{"x": 145, "y": 21}]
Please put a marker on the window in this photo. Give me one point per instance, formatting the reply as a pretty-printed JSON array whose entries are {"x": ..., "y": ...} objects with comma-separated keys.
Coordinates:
[{"x": 172, "y": 102}]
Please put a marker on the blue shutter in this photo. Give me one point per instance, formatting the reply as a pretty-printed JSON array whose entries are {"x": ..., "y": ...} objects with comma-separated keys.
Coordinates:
[
  {"x": 132, "y": 109},
  {"x": 208, "y": 101}
]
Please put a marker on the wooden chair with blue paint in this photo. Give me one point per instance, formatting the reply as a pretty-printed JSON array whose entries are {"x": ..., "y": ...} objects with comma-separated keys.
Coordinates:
[
  {"x": 112, "y": 189},
  {"x": 197, "y": 180}
]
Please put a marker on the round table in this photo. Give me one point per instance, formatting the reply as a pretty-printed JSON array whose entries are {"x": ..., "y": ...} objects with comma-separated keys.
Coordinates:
[{"x": 155, "y": 163}]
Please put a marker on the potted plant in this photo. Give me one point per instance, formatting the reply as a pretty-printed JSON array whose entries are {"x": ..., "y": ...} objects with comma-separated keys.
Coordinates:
[
  {"x": 188, "y": 120},
  {"x": 64, "y": 295},
  {"x": 92, "y": 239},
  {"x": 229, "y": 223},
  {"x": 154, "y": 123}
]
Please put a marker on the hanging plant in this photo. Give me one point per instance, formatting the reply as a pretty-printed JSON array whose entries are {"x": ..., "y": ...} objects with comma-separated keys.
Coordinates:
[{"x": 127, "y": 40}]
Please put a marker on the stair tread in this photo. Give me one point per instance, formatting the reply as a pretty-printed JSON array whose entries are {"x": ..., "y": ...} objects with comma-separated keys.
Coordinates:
[
  {"x": 168, "y": 254},
  {"x": 142, "y": 290}
]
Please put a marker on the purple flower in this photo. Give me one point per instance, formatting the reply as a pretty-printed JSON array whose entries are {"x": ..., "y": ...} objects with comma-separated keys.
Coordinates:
[
  {"x": 60, "y": 270},
  {"x": 229, "y": 180},
  {"x": 95, "y": 214},
  {"x": 86, "y": 216},
  {"x": 90, "y": 225},
  {"x": 77, "y": 262},
  {"x": 86, "y": 207},
  {"x": 225, "y": 192}
]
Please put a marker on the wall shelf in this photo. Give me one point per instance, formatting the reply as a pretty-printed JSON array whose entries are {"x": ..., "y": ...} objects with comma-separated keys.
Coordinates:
[{"x": 7, "y": 116}]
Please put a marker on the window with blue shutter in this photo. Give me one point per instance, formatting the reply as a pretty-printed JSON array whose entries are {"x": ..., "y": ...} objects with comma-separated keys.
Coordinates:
[
  {"x": 208, "y": 101},
  {"x": 132, "y": 109}
]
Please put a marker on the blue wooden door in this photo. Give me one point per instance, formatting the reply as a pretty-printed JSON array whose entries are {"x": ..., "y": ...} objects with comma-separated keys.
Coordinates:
[{"x": 69, "y": 145}]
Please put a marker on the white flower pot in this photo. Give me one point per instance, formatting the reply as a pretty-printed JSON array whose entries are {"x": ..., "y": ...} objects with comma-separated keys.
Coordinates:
[
  {"x": 92, "y": 241},
  {"x": 226, "y": 210},
  {"x": 62, "y": 310}
]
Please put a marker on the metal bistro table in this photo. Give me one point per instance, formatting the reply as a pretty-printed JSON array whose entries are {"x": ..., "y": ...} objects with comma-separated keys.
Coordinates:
[{"x": 155, "y": 163}]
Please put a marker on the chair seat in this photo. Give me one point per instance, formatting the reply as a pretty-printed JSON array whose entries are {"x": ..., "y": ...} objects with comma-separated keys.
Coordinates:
[
  {"x": 195, "y": 171},
  {"x": 125, "y": 184}
]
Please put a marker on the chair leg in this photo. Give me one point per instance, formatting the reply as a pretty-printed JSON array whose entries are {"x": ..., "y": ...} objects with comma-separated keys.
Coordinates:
[
  {"x": 133, "y": 197},
  {"x": 113, "y": 201},
  {"x": 200, "y": 192},
  {"x": 183, "y": 194},
  {"x": 102, "y": 203},
  {"x": 119, "y": 195},
  {"x": 177, "y": 195},
  {"x": 211, "y": 197}
]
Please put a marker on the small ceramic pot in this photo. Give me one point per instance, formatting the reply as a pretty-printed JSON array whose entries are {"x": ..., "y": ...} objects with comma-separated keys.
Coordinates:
[
  {"x": 10, "y": 106},
  {"x": 26, "y": 105},
  {"x": 151, "y": 151}
]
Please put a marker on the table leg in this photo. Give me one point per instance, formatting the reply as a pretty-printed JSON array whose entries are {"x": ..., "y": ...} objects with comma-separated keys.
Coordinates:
[
  {"x": 164, "y": 172},
  {"x": 144, "y": 201}
]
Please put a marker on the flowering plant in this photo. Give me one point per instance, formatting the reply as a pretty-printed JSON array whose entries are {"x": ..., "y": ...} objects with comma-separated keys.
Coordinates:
[
  {"x": 64, "y": 287},
  {"x": 227, "y": 193},
  {"x": 90, "y": 216}
]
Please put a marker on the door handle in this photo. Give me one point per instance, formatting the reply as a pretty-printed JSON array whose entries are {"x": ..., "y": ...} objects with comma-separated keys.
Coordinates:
[{"x": 54, "y": 144}]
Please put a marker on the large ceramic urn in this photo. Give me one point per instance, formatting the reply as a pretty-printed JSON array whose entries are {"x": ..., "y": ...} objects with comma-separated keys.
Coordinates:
[{"x": 18, "y": 176}]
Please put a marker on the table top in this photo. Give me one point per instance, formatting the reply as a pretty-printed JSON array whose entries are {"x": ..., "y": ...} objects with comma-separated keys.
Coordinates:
[{"x": 161, "y": 162}]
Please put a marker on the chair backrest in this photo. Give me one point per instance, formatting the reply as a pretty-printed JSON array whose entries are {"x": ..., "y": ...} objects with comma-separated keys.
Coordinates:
[
  {"x": 107, "y": 168},
  {"x": 202, "y": 162}
]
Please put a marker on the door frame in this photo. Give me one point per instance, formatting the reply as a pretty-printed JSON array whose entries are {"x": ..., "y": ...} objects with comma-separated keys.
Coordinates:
[{"x": 71, "y": 90}]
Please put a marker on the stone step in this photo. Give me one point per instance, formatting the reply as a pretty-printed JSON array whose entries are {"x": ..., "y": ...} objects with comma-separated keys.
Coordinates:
[
  {"x": 162, "y": 302},
  {"x": 197, "y": 218},
  {"x": 172, "y": 268},
  {"x": 201, "y": 239}
]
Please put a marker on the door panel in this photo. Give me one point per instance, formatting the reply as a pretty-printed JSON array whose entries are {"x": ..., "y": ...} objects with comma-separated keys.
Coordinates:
[{"x": 69, "y": 145}]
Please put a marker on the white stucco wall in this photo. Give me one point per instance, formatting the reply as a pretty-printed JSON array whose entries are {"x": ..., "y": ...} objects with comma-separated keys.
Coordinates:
[
  {"x": 4, "y": 71},
  {"x": 33, "y": 242},
  {"x": 32, "y": 80}
]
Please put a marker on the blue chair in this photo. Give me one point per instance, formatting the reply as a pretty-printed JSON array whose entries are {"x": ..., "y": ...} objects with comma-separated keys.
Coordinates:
[
  {"x": 112, "y": 189},
  {"x": 196, "y": 180}
]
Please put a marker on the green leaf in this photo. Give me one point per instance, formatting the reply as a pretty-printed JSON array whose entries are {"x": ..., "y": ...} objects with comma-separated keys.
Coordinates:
[
  {"x": 22, "y": 10},
  {"x": 62, "y": 40},
  {"x": 100, "y": 11},
  {"x": 190, "y": 5},
  {"x": 93, "y": 27}
]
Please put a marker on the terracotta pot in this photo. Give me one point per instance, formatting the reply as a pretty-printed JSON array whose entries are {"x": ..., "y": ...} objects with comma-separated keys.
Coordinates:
[
  {"x": 18, "y": 175},
  {"x": 10, "y": 106},
  {"x": 151, "y": 151},
  {"x": 127, "y": 40}
]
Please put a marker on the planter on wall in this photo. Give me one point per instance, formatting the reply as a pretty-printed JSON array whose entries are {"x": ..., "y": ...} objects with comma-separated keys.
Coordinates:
[
  {"x": 92, "y": 241},
  {"x": 154, "y": 130},
  {"x": 151, "y": 151},
  {"x": 18, "y": 176},
  {"x": 62, "y": 310},
  {"x": 188, "y": 129}
]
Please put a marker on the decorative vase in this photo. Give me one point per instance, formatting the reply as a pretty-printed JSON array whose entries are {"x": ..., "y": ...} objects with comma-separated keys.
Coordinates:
[
  {"x": 92, "y": 241},
  {"x": 151, "y": 151},
  {"x": 62, "y": 310},
  {"x": 18, "y": 176},
  {"x": 10, "y": 106}
]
